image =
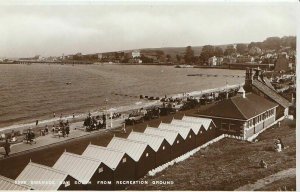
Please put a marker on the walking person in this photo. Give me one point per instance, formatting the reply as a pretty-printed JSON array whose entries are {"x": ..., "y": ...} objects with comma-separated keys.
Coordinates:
[
  {"x": 73, "y": 115},
  {"x": 53, "y": 114},
  {"x": 67, "y": 130},
  {"x": 7, "y": 148},
  {"x": 36, "y": 122}
]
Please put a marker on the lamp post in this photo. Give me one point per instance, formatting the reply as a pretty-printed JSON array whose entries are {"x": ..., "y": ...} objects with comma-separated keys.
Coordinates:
[{"x": 106, "y": 101}]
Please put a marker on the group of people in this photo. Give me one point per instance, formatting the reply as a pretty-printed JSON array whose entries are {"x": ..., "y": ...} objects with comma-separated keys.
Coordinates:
[
  {"x": 62, "y": 130},
  {"x": 278, "y": 145},
  {"x": 94, "y": 123},
  {"x": 29, "y": 137}
]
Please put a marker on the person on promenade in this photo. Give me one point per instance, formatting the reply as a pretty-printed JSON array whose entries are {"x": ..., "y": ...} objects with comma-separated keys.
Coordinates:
[
  {"x": 46, "y": 130},
  {"x": 63, "y": 131},
  {"x": 36, "y": 122},
  {"x": 67, "y": 130},
  {"x": 73, "y": 115},
  {"x": 7, "y": 148},
  {"x": 53, "y": 115}
]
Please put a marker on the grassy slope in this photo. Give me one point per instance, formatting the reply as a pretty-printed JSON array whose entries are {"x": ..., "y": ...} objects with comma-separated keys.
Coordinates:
[{"x": 229, "y": 164}]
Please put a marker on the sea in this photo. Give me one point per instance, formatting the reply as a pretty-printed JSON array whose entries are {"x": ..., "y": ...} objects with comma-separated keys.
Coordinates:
[{"x": 36, "y": 91}]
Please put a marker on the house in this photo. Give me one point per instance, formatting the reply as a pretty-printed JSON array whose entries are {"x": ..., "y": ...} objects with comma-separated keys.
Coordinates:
[
  {"x": 119, "y": 161},
  {"x": 212, "y": 61},
  {"x": 172, "y": 137},
  {"x": 92, "y": 174},
  {"x": 158, "y": 143},
  {"x": 243, "y": 115},
  {"x": 245, "y": 59},
  {"x": 208, "y": 124},
  {"x": 44, "y": 178},
  {"x": 135, "y": 54},
  {"x": 229, "y": 60},
  {"x": 186, "y": 133},
  {"x": 140, "y": 152},
  {"x": 11, "y": 185},
  {"x": 260, "y": 85},
  {"x": 197, "y": 128}
]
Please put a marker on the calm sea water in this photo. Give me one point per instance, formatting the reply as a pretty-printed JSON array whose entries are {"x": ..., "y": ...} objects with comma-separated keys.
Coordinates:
[{"x": 30, "y": 92}]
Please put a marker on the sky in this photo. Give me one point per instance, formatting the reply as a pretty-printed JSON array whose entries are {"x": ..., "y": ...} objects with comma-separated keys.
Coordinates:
[{"x": 53, "y": 29}]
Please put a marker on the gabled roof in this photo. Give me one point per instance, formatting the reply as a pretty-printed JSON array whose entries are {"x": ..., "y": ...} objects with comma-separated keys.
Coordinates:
[
  {"x": 169, "y": 135},
  {"x": 10, "y": 185},
  {"x": 153, "y": 141},
  {"x": 182, "y": 130},
  {"x": 110, "y": 157},
  {"x": 195, "y": 126},
  {"x": 204, "y": 121},
  {"x": 80, "y": 167},
  {"x": 134, "y": 149},
  {"x": 271, "y": 93},
  {"x": 37, "y": 172},
  {"x": 240, "y": 108}
]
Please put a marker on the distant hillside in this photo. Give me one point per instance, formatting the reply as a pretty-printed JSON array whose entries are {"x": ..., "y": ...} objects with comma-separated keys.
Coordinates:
[{"x": 173, "y": 51}]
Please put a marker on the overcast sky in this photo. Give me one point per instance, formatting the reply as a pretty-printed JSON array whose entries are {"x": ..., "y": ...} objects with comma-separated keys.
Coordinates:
[{"x": 28, "y": 30}]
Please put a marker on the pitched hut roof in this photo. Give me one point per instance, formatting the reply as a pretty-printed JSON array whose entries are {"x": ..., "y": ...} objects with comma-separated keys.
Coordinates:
[
  {"x": 80, "y": 167},
  {"x": 195, "y": 126},
  {"x": 204, "y": 121},
  {"x": 182, "y": 130},
  {"x": 169, "y": 135},
  {"x": 134, "y": 149},
  {"x": 40, "y": 173},
  {"x": 111, "y": 157},
  {"x": 153, "y": 141},
  {"x": 10, "y": 185}
]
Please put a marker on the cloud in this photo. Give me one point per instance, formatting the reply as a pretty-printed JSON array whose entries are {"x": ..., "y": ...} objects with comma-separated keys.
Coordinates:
[{"x": 48, "y": 29}]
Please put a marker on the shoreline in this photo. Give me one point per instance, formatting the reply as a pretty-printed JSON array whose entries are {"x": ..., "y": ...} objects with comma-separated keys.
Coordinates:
[{"x": 119, "y": 109}]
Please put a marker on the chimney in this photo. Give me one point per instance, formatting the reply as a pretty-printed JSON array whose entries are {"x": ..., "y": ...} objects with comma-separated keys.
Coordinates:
[
  {"x": 242, "y": 92},
  {"x": 248, "y": 79}
]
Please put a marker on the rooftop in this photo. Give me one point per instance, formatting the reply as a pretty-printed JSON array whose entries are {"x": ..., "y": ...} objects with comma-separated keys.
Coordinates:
[{"x": 240, "y": 108}]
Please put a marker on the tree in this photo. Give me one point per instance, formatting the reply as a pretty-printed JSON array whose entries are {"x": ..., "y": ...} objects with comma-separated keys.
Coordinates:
[
  {"x": 168, "y": 57},
  {"x": 218, "y": 52},
  {"x": 178, "y": 57},
  {"x": 189, "y": 55},
  {"x": 229, "y": 50},
  {"x": 241, "y": 48},
  {"x": 206, "y": 52},
  {"x": 272, "y": 43}
]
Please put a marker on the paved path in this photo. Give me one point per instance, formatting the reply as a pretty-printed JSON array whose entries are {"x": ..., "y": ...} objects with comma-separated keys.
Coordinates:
[
  {"x": 76, "y": 131},
  {"x": 267, "y": 180}
]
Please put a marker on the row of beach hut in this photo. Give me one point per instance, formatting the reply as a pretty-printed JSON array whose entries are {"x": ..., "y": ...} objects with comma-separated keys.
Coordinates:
[{"x": 122, "y": 161}]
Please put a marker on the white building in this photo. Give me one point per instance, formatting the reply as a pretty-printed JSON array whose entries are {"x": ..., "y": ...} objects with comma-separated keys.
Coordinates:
[{"x": 135, "y": 54}]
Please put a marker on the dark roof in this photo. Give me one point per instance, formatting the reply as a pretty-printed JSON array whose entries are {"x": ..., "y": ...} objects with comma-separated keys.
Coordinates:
[
  {"x": 240, "y": 108},
  {"x": 271, "y": 93}
]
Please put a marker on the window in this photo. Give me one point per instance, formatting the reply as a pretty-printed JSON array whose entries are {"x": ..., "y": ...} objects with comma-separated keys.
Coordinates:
[
  {"x": 190, "y": 136},
  {"x": 100, "y": 169},
  {"x": 164, "y": 147},
  {"x": 147, "y": 154},
  {"x": 124, "y": 160},
  {"x": 177, "y": 141},
  {"x": 200, "y": 132},
  {"x": 210, "y": 128}
]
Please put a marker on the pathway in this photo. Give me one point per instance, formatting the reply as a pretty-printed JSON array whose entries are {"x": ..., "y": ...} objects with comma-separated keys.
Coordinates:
[{"x": 267, "y": 180}]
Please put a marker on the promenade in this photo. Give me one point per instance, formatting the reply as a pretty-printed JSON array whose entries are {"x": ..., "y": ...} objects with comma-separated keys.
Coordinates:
[{"x": 50, "y": 140}]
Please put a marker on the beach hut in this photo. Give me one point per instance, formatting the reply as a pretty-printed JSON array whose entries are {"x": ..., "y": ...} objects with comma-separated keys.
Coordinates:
[
  {"x": 44, "y": 178},
  {"x": 186, "y": 133},
  {"x": 119, "y": 161},
  {"x": 158, "y": 143},
  {"x": 172, "y": 137},
  {"x": 198, "y": 129},
  {"x": 208, "y": 124},
  {"x": 93, "y": 174},
  {"x": 11, "y": 185},
  {"x": 140, "y": 152}
]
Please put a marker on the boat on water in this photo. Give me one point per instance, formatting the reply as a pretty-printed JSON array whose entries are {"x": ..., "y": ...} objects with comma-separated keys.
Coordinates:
[{"x": 184, "y": 66}]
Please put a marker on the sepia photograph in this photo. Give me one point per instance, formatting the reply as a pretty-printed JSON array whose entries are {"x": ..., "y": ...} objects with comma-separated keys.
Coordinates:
[{"x": 148, "y": 95}]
